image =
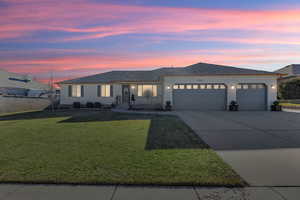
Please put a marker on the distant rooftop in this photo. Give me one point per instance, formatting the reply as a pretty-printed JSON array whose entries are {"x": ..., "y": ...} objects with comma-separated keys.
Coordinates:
[{"x": 290, "y": 70}]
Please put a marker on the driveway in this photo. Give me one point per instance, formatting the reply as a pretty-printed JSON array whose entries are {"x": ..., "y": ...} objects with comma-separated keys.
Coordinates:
[{"x": 263, "y": 147}]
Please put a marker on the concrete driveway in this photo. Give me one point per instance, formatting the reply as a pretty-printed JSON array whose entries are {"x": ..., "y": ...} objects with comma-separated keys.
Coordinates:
[{"x": 262, "y": 147}]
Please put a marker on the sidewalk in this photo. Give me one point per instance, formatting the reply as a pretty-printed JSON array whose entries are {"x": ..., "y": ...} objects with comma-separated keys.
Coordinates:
[{"x": 65, "y": 192}]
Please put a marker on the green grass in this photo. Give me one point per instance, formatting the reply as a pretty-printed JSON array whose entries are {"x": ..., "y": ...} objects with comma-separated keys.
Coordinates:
[{"x": 92, "y": 147}]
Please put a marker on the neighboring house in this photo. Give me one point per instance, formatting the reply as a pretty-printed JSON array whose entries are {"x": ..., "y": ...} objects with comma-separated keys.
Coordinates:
[
  {"x": 20, "y": 85},
  {"x": 200, "y": 86},
  {"x": 290, "y": 72},
  {"x": 21, "y": 93},
  {"x": 288, "y": 83}
]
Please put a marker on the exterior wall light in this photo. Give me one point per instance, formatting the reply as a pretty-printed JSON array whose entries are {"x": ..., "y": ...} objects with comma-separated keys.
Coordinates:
[
  {"x": 168, "y": 87},
  {"x": 273, "y": 87},
  {"x": 133, "y": 87},
  {"x": 232, "y": 87}
]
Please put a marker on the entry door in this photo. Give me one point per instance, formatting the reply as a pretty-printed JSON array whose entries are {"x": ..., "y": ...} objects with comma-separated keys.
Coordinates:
[{"x": 125, "y": 94}]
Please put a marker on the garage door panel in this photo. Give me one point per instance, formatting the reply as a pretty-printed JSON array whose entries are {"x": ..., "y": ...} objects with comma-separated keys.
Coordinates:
[
  {"x": 252, "y": 98},
  {"x": 199, "y": 99}
]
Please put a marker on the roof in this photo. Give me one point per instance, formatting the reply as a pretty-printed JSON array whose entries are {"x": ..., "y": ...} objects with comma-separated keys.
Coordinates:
[
  {"x": 290, "y": 70},
  {"x": 155, "y": 75}
]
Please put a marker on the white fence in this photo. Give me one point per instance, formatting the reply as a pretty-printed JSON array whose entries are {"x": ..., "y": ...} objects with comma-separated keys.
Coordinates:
[{"x": 17, "y": 104}]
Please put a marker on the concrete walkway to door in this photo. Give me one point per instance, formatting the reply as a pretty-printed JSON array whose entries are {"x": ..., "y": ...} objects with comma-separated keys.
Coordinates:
[{"x": 262, "y": 147}]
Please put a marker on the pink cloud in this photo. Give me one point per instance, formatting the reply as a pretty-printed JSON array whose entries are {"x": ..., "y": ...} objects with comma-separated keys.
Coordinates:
[
  {"x": 88, "y": 64},
  {"x": 29, "y": 16}
]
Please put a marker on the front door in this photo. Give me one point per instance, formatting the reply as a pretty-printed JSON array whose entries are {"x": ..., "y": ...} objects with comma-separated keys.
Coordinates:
[{"x": 125, "y": 94}]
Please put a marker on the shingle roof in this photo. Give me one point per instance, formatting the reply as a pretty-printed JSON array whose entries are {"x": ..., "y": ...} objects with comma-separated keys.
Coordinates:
[
  {"x": 296, "y": 69},
  {"x": 290, "y": 70},
  {"x": 154, "y": 75}
]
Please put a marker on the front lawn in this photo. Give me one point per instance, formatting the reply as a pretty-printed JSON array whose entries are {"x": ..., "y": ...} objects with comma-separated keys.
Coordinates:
[{"x": 106, "y": 148}]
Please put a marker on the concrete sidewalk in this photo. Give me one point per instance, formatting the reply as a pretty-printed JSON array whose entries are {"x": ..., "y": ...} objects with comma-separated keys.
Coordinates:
[{"x": 65, "y": 192}]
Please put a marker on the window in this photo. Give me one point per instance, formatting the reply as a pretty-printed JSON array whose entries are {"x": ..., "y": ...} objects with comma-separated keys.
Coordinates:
[
  {"x": 181, "y": 86},
  {"x": 216, "y": 87},
  {"x": 222, "y": 87},
  {"x": 154, "y": 90},
  {"x": 239, "y": 86},
  {"x": 147, "y": 90},
  {"x": 202, "y": 87},
  {"x": 208, "y": 86},
  {"x": 105, "y": 90},
  {"x": 253, "y": 86},
  {"x": 75, "y": 90},
  {"x": 175, "y": 87},
  {"x": 140, "y": 90},
  {"x": 245, "y": 87},
  {"x": 260, "y": 86},
  {"x": 195, "y": 86},
  {"x": 189, "y": 87}
]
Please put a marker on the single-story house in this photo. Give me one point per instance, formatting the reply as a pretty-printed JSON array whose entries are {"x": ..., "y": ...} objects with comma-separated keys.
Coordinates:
[{"x": 200, "y": 86}]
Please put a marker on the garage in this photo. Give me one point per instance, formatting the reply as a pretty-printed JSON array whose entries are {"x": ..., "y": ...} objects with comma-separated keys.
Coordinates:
[
  {"x": 199, "y": 97},
  {"x": 251, "y": 96}
]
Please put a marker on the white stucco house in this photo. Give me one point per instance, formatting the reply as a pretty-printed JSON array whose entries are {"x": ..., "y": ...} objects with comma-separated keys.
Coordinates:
[{"x": 200, "y": 86}]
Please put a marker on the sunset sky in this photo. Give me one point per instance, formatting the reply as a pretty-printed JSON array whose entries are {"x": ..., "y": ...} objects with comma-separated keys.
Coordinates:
[{"x": 74, "y": 38}]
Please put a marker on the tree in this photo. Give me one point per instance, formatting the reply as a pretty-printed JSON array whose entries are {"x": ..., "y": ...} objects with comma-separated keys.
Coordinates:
[{"x": 290, "y": 89}]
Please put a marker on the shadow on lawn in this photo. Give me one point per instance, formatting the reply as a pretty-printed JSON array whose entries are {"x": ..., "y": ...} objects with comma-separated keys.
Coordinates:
[{"x": 165, "y": 132}]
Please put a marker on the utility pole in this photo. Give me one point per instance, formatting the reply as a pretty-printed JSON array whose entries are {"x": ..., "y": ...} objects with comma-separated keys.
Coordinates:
[{"x": 51, "y": 91}]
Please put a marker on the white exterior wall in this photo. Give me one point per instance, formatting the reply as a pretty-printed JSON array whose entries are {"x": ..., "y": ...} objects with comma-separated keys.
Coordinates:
[
  {"x": 90, "y": 94},
  {"x": 229, "y": 81}
]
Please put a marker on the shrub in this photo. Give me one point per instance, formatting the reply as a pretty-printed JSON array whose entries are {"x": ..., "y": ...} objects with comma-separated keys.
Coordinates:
[
  {"x": 233, "y": 106},
  {"x": 276, "y": 106},
  {"x": 276, "y": 103},
  {"x": 97, "y": 105},
  {"x": 233, "y": 103},
  {"x": 89, "y": 105},
  {"x": 76, "y": 104}
]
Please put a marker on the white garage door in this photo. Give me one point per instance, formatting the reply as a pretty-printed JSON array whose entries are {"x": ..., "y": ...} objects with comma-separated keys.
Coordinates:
[
  {"x": 199, "y": 96},
  {"x": 251, "y": 96}
]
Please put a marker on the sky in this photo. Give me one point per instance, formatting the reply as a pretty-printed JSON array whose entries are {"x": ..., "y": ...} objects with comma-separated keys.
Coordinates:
[{"x": 76, "y": 38}]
